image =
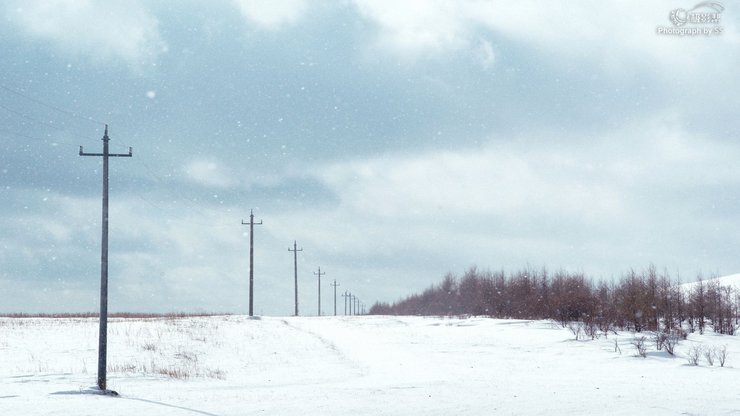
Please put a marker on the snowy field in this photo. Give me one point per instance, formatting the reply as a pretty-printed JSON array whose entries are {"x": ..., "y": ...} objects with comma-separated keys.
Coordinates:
[{"x": 232, "y": 365}]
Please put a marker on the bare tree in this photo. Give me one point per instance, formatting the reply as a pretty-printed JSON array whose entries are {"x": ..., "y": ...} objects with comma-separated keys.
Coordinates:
[
  {"x": 670, "y": 343},
  {"x": 641, "y": 345},
  {"x": 694, "y": 354},
  {"x": 709, "y": 355},
  {"x": 722, "y": 355}
]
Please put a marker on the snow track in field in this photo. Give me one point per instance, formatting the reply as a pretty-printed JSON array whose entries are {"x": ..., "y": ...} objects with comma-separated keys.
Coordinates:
[{"x": 350, "y": 365}]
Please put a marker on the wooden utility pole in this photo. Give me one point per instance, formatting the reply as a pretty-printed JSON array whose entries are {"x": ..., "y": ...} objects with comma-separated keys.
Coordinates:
[
  {"x": 319, "y": 274},
  {"x": 295, "y": 251},
  {"x": 345, "y": 295},
  {"x": 251, "y": 224},
  {"x": 103, "y": 332},
  {"x": 335, "y": 284}
]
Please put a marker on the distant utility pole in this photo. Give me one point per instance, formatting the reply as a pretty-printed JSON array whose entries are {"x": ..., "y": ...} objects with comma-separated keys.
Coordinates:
[
  {"x": 295, "y": 251},
  {"x": 335, "y": 284},
  {"x": 319, "y": 274},
  {"x": 345, "y": 295},
  {"x": 103, "y": 333},
  {"x": 251, "y": 224}
]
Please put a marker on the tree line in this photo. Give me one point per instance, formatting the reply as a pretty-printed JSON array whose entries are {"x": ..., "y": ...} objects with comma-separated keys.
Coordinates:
[{"x": 637, "y": 301}]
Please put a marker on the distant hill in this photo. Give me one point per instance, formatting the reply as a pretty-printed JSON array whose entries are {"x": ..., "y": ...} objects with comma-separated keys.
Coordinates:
[{"x": 732, "y": 280}]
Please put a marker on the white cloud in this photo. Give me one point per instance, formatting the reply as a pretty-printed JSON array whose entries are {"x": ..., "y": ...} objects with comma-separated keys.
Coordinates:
[
  {"x": 125, "y": 30},
  {"x": 607, "y": 33},
  {"x": 485, "y": 54},
  {"x": 415, "y": 27},
  {"x": 491, "y": 182},
  {"x": 210, "y": 173},
  {"x": 272, "y": 14},
  {"x": 597, "y": 203}
]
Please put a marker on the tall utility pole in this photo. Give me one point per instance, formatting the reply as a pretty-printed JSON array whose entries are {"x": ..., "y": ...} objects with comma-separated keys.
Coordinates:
[
  {"x": 345, "y": 295},
  {"x": 251, "y": 224},
  {"x": 103, "y": 333},
  {"x": 335, "y": 284},
  {"x": 295, "y": 271},
  {"x": 319, "y": 274}
]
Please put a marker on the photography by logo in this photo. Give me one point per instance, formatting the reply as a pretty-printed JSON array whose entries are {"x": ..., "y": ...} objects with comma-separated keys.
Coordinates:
[{"x": 701, "y": 20}]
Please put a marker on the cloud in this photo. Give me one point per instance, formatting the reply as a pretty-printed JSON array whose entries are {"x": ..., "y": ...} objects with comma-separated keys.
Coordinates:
[
  {"x": 272, "y": 14},
  {"x": 599, "y": 203},
  {"x": 209, "y": 173},
  {"x": 606, "y": 33},
  {"x": 485, "y": 54},
  {"x": 492, "y": 182},
  {"x": 123, "y": 30},
  {"x": 416, "y": 27}
]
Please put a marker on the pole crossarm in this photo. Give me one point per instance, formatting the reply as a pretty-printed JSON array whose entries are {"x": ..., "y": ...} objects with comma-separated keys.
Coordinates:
[{"x": 129, "y": 154}]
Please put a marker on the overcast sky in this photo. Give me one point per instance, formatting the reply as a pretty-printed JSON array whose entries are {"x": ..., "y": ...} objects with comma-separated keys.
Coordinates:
[{"x": 396, "y": 141}]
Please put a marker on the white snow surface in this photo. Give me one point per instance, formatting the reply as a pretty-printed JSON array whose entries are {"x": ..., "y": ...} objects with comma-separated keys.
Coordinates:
[
  {"x": 732, "y": 280},
  {"x": 369, "y": 365}
]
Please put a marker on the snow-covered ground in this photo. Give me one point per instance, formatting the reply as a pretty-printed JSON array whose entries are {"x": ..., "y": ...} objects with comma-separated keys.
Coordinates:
[
  {"x": 232, "y": 365},
  {"x": 732, "y": 280}
]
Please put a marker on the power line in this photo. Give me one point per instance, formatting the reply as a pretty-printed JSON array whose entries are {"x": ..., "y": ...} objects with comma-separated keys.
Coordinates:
[
  {"x": 29, "y": 118},
  {"x": 53, "y": 107},
  {"x": 12, "y": 133}
]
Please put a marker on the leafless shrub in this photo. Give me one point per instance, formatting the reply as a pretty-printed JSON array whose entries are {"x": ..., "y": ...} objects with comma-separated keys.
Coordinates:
[
  {"x": 660, "y": 338},
  {"x": 721, "y": 355},
  {"x": 616, "y": 347},
  {"x": 217, "y": 374},
  {"x": 124, "y": 368},
  {"x": 709, "y": 355},
  {"x": 149, "y": 346},
  {"x": 576, "y": 328},
  {"x": 591, "y": 330},
  {"x": 173, "y": 372},
  {"x": 187, "y": 356},
  {"x": 670, "y": 343},
  {"x": 693, "y": 355},
  {"x": 640, "y": 345}
]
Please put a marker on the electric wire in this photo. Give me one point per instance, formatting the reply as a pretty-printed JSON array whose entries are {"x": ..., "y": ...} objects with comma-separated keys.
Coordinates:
[
  {"x": 26, "y": 136},
  {"x": 184, "y": 200},
  {"x": 53, "y": 107}
]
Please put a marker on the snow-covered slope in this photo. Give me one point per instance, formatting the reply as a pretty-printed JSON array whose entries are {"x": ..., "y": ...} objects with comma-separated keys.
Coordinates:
[
  {"x": 231, "y": 365},
  {"x": 732, "y": 280}
]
